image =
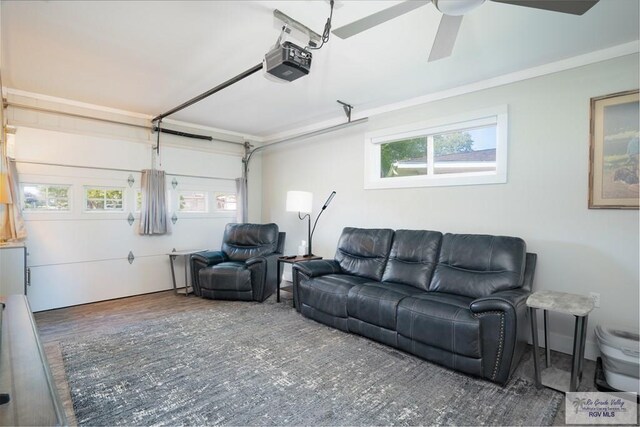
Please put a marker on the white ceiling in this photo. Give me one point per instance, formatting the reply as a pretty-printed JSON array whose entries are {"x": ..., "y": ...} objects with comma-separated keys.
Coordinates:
[{"x": 150, "y": 56}]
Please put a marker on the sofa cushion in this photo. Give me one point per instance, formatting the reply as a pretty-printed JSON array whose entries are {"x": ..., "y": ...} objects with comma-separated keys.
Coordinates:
[
  {"x": 226, "y": 276},
  {"x": 479, "y": 265},
  {"x": 413, "y": 257},
  {"x": 328, "y": 293},
  {"x": 377, "y": 302},
  {"x": 363, "y": 252},
  {"x": 244, "y": 241},
  {"x": 442, "y": 321}
]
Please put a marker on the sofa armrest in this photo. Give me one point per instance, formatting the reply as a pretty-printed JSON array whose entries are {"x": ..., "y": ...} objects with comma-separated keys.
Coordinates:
[
  {"x": 502, "y": 317},
  {"x": 263, "y": 275},
  {"x": 504, "y": 301},
  {"x": 307, "y": 269},
  {"x": 208, "y": 258},
  {"x": 317, "y": 267}
]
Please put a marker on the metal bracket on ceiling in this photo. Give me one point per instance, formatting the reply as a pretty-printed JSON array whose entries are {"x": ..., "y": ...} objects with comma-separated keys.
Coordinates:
[
  {"x": 292, "y": 23},
  {"x": 283, "y": 34},
  {"x": 347, "y": 109}
]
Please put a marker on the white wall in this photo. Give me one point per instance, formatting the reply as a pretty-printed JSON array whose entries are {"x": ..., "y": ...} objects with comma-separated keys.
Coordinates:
[
  {"x": 79, "y": 257},
  {"x": 544, "y": 201}
]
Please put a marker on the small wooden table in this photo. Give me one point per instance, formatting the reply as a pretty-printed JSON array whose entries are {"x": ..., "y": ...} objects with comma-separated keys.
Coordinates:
[
  {"x": 186, "y": 254},
  {"x": 290, "y": 260},
  {"x": 577, "y": 305}
]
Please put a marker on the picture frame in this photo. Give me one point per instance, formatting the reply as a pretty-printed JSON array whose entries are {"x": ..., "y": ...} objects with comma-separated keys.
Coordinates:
[{"x": 613, "y": 151}]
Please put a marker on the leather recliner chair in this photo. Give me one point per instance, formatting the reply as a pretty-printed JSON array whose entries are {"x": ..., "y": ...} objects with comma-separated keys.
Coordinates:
[{"x": 244, "y": 269}]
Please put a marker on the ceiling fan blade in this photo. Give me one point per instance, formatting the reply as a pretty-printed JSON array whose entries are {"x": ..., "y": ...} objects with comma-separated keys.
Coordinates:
[
  {"x": 575, "y": 7},
  {"x": 377, "y": 18},
  {"x": 445, "y": 37}
]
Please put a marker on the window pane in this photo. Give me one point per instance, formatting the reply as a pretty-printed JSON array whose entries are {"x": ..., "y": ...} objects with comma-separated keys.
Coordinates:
[
  {"x": 104, "y": 199},
  {"x": 62, "y": 204},
  {"x": 138, "y": 201},
  {"x": 193, "y": 201},
  {"x": 404, "y": 158},
  {"x": 113, "y": 204},
  {"x": 95, "y": 193},
  {"x": 114, "y": 194},
  {"x": 46, "y": 197},
  {"x": 471, "y": 150},
  {"x": 226, "y": 202},
  {"x": 95, "y": 204}
]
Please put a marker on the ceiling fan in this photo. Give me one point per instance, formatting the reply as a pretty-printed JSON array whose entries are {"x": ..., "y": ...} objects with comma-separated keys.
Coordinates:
[{"x": 452, "y": 13}]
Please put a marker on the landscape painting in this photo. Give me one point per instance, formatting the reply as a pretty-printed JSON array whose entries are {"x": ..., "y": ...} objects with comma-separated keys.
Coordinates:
[{"x": 614, "y": 168}]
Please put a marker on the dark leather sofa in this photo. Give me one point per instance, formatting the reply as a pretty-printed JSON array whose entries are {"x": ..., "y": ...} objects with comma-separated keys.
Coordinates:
[
  {"x": 454, "y": 299},
  {"x": 245, "y": 267}
]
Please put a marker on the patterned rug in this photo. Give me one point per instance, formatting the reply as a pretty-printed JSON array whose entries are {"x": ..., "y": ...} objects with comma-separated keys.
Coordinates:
[{"x": 241, "y": 363}]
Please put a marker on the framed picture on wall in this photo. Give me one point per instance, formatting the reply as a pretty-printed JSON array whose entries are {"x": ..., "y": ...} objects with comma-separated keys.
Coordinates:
[{"x": 613, "y": 154}]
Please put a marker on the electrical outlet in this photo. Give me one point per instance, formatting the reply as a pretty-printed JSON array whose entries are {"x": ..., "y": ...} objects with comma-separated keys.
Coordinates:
[{"x": 596, "y": 298}]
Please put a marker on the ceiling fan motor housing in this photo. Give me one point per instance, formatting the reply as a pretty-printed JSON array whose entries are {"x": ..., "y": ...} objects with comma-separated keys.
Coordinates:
[{"x": 456, "y": 7}]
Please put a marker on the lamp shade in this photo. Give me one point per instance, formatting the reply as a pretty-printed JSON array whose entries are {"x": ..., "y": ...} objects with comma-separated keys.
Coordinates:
[{"x": 299, "y": 201}]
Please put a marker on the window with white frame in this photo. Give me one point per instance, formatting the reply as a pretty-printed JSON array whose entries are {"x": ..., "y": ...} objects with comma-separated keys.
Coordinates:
[
  {"x": 462, "y": 150},
  {"x": 192, "y": 201},
  {"x": 226, "y": 202},
  {"x": 103, "y": 199},
  {"x": 46, "y": 197}
]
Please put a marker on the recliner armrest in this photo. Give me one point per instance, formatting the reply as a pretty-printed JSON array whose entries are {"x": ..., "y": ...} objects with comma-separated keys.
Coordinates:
[
  {"x": 262, "y": 258},
  {"x": 500, "y": 301},
  {"x": 263, "y": 274},
  {"x": 209, "y": 257},
  {"x": 317, "y": 267}
]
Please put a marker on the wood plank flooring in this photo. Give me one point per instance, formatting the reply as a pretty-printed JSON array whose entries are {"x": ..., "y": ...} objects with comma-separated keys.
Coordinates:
[{"x": 81, "y": 321}]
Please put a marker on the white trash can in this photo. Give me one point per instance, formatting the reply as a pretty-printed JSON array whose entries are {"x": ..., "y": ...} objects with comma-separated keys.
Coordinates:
[{"x": 620, "y": 351}]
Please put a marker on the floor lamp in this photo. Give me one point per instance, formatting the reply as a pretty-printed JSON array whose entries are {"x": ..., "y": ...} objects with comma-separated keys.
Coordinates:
[{"x": 302, "y": 202}]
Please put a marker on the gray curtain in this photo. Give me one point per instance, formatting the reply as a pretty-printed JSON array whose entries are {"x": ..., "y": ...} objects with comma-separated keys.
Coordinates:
[
  {"x": 153, "y": 218},
  {"x": 241, "y": 200}
]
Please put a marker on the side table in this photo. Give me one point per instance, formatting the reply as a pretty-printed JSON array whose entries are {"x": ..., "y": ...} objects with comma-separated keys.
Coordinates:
[
  {"x": 186, "y": 254},
  {"x": 289, "y": 260},
  {"x": 577, "y": 305}
]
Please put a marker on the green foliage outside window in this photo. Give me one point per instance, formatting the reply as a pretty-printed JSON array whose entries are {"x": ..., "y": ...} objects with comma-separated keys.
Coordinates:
[
  {"x": 107, "y": 199},
  {"x": 416, "y": 149},
  {"x": 46, "y": 197}
]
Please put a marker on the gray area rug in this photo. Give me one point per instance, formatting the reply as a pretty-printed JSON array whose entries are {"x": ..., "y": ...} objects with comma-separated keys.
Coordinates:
[{"x": 241, "y": 363}]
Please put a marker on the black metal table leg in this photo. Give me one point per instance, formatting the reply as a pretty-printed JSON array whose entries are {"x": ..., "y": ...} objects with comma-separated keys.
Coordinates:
[
  {"x": 547, "y": 348},
  {"x": 584, "y": 339},
  {"x": 278, "y": 280},
  {"x": 173, "y": 274},
  {"x": 577, "y": 346},
  {"x": 534, "y": 339}
]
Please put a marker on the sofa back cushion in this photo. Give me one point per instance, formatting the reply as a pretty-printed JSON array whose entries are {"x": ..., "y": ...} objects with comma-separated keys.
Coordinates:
[
  {"x": 476, "y": 265},
  {"x": 244, "y": 241},
  {"x": 364, "y": 251},
  {"x": 413, "y": 257}
]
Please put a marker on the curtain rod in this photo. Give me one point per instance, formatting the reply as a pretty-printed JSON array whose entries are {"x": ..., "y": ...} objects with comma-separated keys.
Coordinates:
[
  {"x": 308, "y": 135},
  {"x": 116, "y": 169},
  {"x": 117, "y": 122}
]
